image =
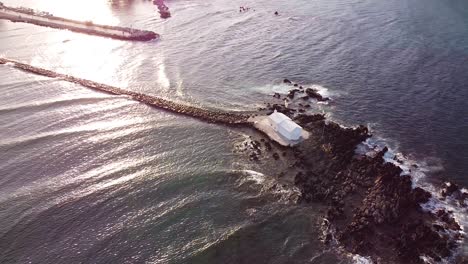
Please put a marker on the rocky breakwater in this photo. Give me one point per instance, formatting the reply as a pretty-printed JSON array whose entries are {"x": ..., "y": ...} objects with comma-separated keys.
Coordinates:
[
  {"x": 208, "y": 115},
  {"x": 40, "y": 18},
  {"x": 373, "y": 208}
]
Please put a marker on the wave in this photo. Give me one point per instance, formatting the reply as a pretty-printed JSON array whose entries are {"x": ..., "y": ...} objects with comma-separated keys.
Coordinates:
[
  {"x": 57, "y": 103},
  {"x": 267, "y": 185}
]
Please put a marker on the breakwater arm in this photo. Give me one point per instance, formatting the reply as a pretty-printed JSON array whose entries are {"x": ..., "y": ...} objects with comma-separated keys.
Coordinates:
[
  {"x": 27, "y": 15},
  {"x": 212, "y": 116}
]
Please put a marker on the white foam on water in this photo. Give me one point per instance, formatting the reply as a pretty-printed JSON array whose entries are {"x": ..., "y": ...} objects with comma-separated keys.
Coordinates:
[
  {"x": 254, "y": 176},
  {"x": 270, "y": 89},
  {"x": 323, "y": 91},
  {"x": 268, "y": 185},
  {"x": 358, "y": 259},
  {"x": 427, "y": 259}
]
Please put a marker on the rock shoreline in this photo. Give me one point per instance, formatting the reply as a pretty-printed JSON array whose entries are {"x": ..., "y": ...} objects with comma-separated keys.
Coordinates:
[{"x": 373, "y": 208}]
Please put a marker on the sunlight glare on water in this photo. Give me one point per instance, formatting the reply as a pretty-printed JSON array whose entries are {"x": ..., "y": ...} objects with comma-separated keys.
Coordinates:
[{"x": 84, "y": 10}]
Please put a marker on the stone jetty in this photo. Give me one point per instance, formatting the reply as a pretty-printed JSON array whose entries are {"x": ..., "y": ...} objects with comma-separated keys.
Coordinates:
[
  {"x": 45, "y": 19},
  {"x": 208, "y": 115}
]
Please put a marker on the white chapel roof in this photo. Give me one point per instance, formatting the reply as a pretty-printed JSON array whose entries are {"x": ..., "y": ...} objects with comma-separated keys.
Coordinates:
[
  {"x": 290, "y": 125},
  {"x": 278, "y": 117}
]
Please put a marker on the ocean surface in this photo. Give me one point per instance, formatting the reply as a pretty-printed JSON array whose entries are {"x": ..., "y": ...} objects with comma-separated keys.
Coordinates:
[{"x": 86, "y": 177}]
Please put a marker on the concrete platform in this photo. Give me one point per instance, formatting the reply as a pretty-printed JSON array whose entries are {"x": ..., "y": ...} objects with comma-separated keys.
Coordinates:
[{"x": 263, "y": 124}]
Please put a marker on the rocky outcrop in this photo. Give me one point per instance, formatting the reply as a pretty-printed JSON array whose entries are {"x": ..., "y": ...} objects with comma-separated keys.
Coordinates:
[
  {"x": 454, "y": 191},
  {"x": 310, "y": 92},
  {"x": 292, "y": 93},
  {"x": 313, "y": 93},
  {"x": 374, "y": 208}
]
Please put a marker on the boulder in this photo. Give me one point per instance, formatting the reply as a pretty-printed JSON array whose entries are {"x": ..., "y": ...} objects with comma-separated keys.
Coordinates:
[
  {"x": 276, "y": 156},
  {"x": 314, "y": 94}
]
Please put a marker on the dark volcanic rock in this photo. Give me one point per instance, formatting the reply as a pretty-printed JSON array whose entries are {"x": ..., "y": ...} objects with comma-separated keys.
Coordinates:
[
  {"x": 305, "y": 119},
  {"x": 287, "y": 81},
  {"x": 447, "y": 218},
  {"x": 374, "y": 209},
  {"x": 416, "y": 237},
  {"x": 449, "y": 189},
  {"x": 280, "y": 108},
  {"x": 276, "y": 156},
  {"x": 421, "y": 196},
  {"x": 267, "y": 146},
  {"x": 314, "y": 94},
  {"x": 453, "y": 190},
  {"x": 292, "y": 93}
]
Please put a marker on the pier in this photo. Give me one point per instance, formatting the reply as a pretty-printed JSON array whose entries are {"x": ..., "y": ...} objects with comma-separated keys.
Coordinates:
[
  {"x": 208, "y": 115},
  {"x": 26, "y": 15}
]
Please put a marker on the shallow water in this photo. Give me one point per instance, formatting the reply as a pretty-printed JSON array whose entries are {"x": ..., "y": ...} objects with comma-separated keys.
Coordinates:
[{"x": 96, "y": 178}]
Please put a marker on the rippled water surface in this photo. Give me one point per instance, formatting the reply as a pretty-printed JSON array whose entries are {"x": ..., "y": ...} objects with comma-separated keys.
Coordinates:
[{"x": 88, "y": 177}]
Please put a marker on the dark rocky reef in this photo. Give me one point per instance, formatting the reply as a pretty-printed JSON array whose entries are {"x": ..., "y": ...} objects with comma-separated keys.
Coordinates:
[
  {"x": 309, "y": 92},
  {"x": 373, "y": 208},
  {"x": 454, "y": 191},
  {"x": 313, "y": 93}
]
